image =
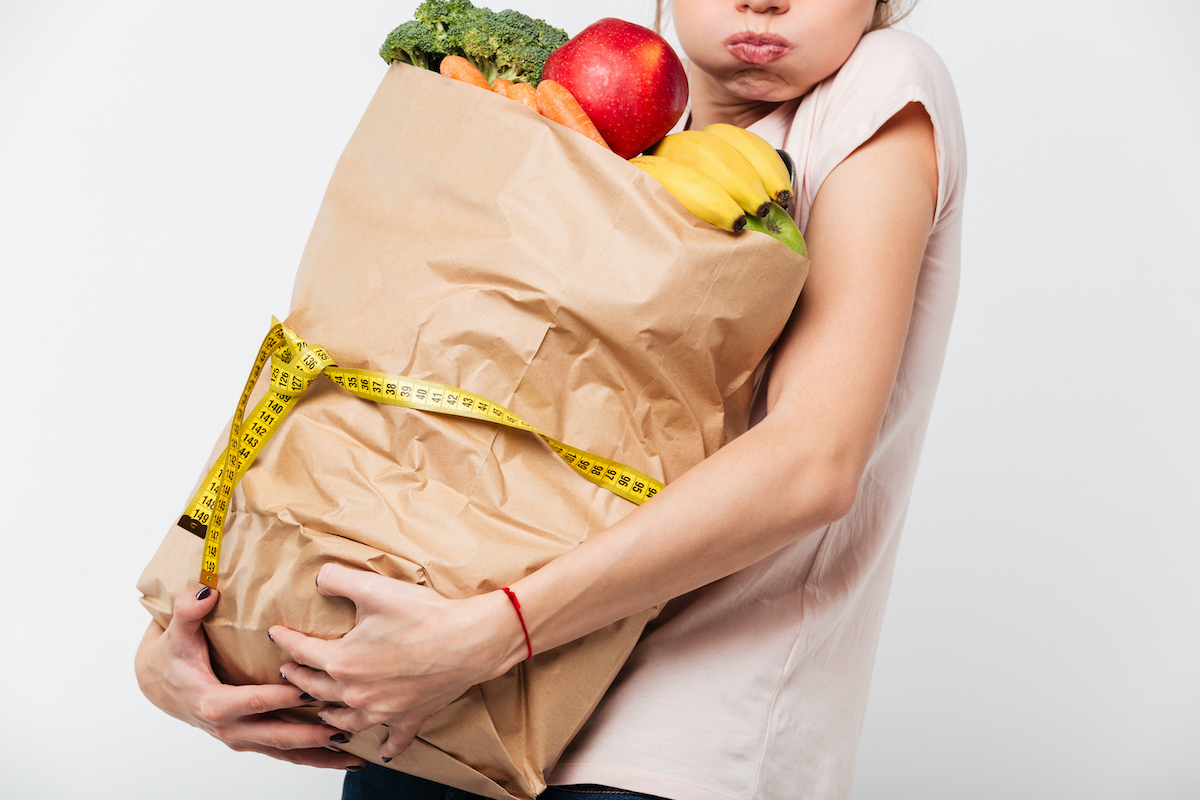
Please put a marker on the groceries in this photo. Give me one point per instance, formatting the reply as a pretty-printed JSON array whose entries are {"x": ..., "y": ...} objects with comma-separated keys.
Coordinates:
[
  {"x": 501, "y": 44},
  {"x": 582, "y": 299},
  {"x": 702, "y": 196},
  {"x": 555, "y": 101},
  {"x": 778, "y": 223},
  {"x": 628, "y": 80},
  {"x": 764, "y": 158},
  {"x": 720, "y": 161},
  {"x": 721, "y": 175},
  {"x": 502, "y": 52},
  {"x": 620, "y": 85}
]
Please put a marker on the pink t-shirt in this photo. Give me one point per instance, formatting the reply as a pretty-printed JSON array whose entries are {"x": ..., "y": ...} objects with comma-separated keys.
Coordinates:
[{"x": 755, "y": 686}]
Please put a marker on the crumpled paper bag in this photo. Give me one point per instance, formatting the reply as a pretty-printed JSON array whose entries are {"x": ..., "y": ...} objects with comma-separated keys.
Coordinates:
[{"x": 465, "y": 240}]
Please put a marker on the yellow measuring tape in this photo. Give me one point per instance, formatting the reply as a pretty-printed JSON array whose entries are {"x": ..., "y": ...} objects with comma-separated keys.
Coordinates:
[{"x": 295, "y": 364}]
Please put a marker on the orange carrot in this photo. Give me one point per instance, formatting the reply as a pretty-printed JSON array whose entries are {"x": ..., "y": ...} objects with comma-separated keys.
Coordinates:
[
  {"x": 502, "y": 86},
  {"x": 555, "y": 102},
  {"x": 460, "y": 69},
  {"x": 524, "y": 93}
]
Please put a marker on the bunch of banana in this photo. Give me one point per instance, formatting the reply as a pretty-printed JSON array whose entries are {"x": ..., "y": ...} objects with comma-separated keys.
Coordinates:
[
  {"x": 728, "y": 177},
  {"x": 721, "y": 161},
  {"x": 765, "y": 159},
  {"x": 695, "y": 191}
]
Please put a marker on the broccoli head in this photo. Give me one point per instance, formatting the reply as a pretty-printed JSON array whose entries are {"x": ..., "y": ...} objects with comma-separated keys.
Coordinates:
[
  {"x": 505, "y": 44},
  {"x": 443, "y": 12},
  {"x": 425, "y": 40},
  {"x": 413, "y": 43},
  {"x": 440, "y": 16}
]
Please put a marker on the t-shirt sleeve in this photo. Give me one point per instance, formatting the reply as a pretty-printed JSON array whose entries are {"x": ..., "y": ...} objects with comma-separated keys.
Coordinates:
[{"x": 887, "y": 70}]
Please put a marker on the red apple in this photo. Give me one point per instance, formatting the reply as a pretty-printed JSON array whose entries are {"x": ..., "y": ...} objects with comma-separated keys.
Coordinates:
[{"x": 628, "y": 80}]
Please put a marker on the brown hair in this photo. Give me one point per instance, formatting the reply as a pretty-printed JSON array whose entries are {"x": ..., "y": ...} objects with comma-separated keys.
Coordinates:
[{"x": 887, "y": 13}]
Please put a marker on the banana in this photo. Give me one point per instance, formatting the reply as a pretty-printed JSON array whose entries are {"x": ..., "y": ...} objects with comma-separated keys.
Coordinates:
[
  {"x": 762, "y": 156},
  {"x": 779, "y": 224},
  {"x": 722, "y": 162},
  {"x": 695, "y": 191}
]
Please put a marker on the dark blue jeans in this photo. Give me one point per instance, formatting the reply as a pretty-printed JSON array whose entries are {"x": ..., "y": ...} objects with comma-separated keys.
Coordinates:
[{"x": 379, "y": 783}]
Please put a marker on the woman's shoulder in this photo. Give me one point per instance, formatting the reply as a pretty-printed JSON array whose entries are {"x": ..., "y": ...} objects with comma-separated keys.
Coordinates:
[
  {"x": 888, "y": 61},
  {"x": 896, "y": 43},
  {"x": 887, "y": 70}
]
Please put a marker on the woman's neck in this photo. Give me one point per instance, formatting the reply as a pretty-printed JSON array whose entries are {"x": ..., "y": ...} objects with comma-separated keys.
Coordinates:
[{"x": 710, "y": 103}]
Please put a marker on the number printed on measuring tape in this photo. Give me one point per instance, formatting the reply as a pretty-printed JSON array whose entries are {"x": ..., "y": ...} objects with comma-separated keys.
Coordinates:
[{"x": 295, "y": 364}]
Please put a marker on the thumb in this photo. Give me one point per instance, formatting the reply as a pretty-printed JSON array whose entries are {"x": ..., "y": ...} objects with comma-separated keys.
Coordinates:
[
  {"x": 361, "y": 587},
  {"x": 191, "y": 608}
]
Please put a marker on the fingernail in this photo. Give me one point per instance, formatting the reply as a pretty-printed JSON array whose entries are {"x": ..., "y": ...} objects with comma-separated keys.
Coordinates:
[
  {"x": 272, "y": 638},
  {"x": 285, "y": 680},
  {"x": 385, "y": 759},
  {"x": 307, "y": 698},
  {"x": 204, "y": 593},
  {"x": 355, "y": 768},
  {"x": 340, "y": 738}
]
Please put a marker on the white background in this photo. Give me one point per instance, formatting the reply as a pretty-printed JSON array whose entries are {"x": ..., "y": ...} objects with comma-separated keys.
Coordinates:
[{"x": 160, "y": 166}]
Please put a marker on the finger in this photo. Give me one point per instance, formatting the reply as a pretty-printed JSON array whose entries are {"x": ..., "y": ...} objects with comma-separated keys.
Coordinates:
[
  {"x": 400, "y": 737},
  {"x": 357, "y": 585},
  {"x": 351, "y": 720},
  {"x": 191, "y": 608},
  {"x": 303, "y": 649},
  {"x": 224, "y": 704},
  {"x": 316, "y": 683},
  {"x": 278, "y": 735}
]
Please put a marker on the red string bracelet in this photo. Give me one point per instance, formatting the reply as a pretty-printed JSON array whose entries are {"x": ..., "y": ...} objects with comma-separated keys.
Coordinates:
[{"x": 516, "y": 604}]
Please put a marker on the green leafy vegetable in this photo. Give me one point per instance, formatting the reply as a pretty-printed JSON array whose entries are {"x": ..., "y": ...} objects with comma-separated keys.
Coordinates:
[{"x": 504, "y": 44}]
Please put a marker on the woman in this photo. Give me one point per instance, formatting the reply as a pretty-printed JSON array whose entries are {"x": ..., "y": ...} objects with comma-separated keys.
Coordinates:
[{"x": 779, "y": 547}]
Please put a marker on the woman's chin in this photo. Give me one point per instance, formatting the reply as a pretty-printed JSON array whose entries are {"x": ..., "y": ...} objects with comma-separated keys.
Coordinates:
[{"x": 761, "y": 88}]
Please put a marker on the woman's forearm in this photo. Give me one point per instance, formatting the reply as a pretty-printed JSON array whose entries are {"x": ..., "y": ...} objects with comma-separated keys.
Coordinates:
[{"x": 751, "y": 498}]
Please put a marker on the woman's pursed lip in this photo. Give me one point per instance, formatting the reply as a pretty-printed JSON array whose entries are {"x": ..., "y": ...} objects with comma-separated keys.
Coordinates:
[{"x": 757, "y": 48}]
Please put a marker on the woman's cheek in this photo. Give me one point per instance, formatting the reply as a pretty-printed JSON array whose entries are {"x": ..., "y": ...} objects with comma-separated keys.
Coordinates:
[{"x": 697, "y": 25}]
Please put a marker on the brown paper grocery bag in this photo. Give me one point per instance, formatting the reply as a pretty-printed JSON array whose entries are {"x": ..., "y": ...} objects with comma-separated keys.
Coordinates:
[{"x": 465, "y": 240}]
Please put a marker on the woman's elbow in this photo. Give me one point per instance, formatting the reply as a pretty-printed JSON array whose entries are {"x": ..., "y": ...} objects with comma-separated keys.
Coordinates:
[
  {"x": 825, "y": 498},
  {"x": 839, "y": 498},
  {"x": 814, "y": 475}
]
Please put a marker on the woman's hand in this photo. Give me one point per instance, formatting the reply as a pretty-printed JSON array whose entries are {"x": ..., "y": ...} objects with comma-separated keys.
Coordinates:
[
  {"x": 174, "y": 672},
  {"x": 410, "y": 653}
]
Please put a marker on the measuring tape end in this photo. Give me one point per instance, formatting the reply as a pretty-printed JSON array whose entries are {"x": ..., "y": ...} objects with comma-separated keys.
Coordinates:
[{"x": 193, "y": 526}]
